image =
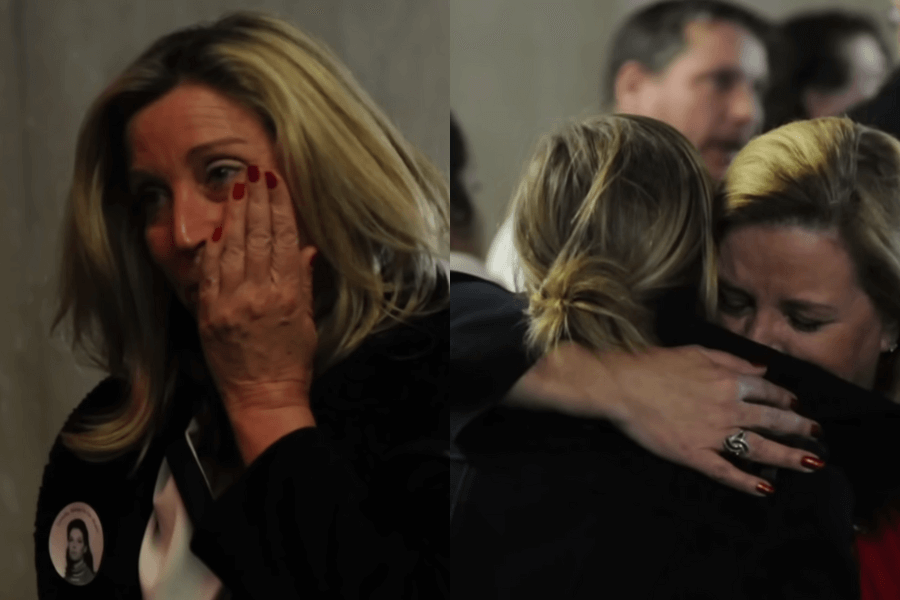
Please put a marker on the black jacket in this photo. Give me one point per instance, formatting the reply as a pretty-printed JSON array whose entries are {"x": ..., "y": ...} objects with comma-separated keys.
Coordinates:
[
  {"x": 566, "y": 508},
  {"x": 354, "y": 508}
]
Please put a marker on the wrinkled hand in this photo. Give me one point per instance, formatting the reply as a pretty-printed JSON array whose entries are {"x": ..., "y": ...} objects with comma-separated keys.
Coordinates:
[
  {"x": 255, "y": 313},
  {"x": 679, "y": 403}
]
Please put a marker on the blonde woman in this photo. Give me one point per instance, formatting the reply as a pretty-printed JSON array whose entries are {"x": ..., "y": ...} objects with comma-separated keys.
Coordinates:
[
  {"x": 614, "y": 223},
  {"x": 810, "y": 266},
  {"x": 251, "y": 253}
]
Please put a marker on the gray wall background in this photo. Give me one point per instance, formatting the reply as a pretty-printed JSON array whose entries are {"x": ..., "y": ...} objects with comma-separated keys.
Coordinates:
[
  {"x": 519, "y": 68},
  {"x": 55, "y": 57}
]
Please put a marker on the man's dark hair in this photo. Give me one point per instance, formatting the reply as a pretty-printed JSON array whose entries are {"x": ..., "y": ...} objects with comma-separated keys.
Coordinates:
[
  {"x": 811, "y": 50},
  {"x": 655, "y": 35}
]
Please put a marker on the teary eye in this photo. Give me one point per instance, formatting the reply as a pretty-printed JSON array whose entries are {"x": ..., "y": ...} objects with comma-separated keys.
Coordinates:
[
  {"x": 219, "y": 174},
  {"x": 150, "y": 198}
]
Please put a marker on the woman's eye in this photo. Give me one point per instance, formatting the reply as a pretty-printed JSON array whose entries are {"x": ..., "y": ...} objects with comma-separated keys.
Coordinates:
[
  {"x": 150, "y": 199},
  {"x": 805, "y": 325},
  {"x": 219, "y": 175}
]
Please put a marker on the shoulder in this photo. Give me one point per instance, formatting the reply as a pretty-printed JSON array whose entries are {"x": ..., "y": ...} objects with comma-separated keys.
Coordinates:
[
  {"x": 472, "y": 297},
  {"x": 411, "y": 354},
  {"x": 105, "y": 398},
  {"x": 390, "y": 390},
  {"x": 66, "y": 469},
  {"x": 68, "y": 478},
  {"x": 421, "y": 338}
]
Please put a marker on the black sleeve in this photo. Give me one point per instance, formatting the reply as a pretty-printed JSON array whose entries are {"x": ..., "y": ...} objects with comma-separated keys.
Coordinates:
[
  {"x": 300, "y": 524},
  {"x": 487, "y": 348}
]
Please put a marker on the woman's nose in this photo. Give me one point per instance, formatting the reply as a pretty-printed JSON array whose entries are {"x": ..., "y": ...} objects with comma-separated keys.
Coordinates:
[
  {"x": 194, "y": 217},
  {"x": 763, "y": 329}
]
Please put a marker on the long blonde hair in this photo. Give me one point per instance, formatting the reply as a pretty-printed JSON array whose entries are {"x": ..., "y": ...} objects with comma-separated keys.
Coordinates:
[
  {"x": 376, "y": 209},
  {"x": 611, "y": 213},
  {"x": 827, "y": 174}
]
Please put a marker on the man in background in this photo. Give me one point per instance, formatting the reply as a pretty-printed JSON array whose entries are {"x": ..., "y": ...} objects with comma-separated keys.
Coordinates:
[
  {"x": 698, "y": 65},
  {"x": 881, "y": 110}
]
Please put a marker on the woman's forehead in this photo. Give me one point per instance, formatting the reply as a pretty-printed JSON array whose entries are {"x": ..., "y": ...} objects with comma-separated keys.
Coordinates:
[
  {"x": 189, "y": 111},
  {"x": 188, "y": 120},
  {"x": 788, "y": 259}
]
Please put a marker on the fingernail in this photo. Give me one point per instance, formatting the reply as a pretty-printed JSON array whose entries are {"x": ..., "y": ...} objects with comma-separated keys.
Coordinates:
[
  {"x": 765, "y": 488},
  {"x": 271, "y": 181},
  {"x": 811, "y": 462},
  {"x": 238, "y": 191},
  {"x": 253, "y": 173},
  {"x": 816, "y": 430},
  {"x": 217, "y": 234},
  {"x": 758, "y": 365},
  {"x": 795, "y": 404}
]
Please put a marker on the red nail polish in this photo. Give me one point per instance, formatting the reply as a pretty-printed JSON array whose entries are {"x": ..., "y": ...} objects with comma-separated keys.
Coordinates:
[
  {"x": 238, "y": 191},
  {"x": 271, "y": 181},
  {"x": 795, "y": 404},
  {"x": 253, "y": 173},
  {"x": 811, "y": 462},
  {"x": 816, "y": 430},
  {"x": 217, "y": 234},
  {"x": 765, "y": 488}
]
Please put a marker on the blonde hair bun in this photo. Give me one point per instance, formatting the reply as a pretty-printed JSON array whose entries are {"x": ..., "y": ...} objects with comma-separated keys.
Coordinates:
[
  {"x": 611, "y": 213},
  {"x": 583, "y": 294}
]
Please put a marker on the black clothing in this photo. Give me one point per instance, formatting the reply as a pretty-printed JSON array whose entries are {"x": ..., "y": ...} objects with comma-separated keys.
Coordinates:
[
  {"x": 487, "y": 327},
  {"x": 569, "y": 508},
  {"x": 353, "y": 508}
]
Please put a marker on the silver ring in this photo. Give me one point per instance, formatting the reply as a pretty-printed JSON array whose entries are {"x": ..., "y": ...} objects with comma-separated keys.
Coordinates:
[{"x": 736, "y": 444}]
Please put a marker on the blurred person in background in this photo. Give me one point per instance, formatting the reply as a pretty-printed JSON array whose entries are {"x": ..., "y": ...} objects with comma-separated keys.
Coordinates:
[
  {"x": 881, "y": 110},
  {"x": 700, "y": 66},
  {"x": 827, "y": 62},
  {"x": 465, "y": 237}
]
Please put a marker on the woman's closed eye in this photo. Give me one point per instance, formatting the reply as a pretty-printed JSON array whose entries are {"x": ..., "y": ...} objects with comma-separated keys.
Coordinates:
[{"x": 805, "y": 324}]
